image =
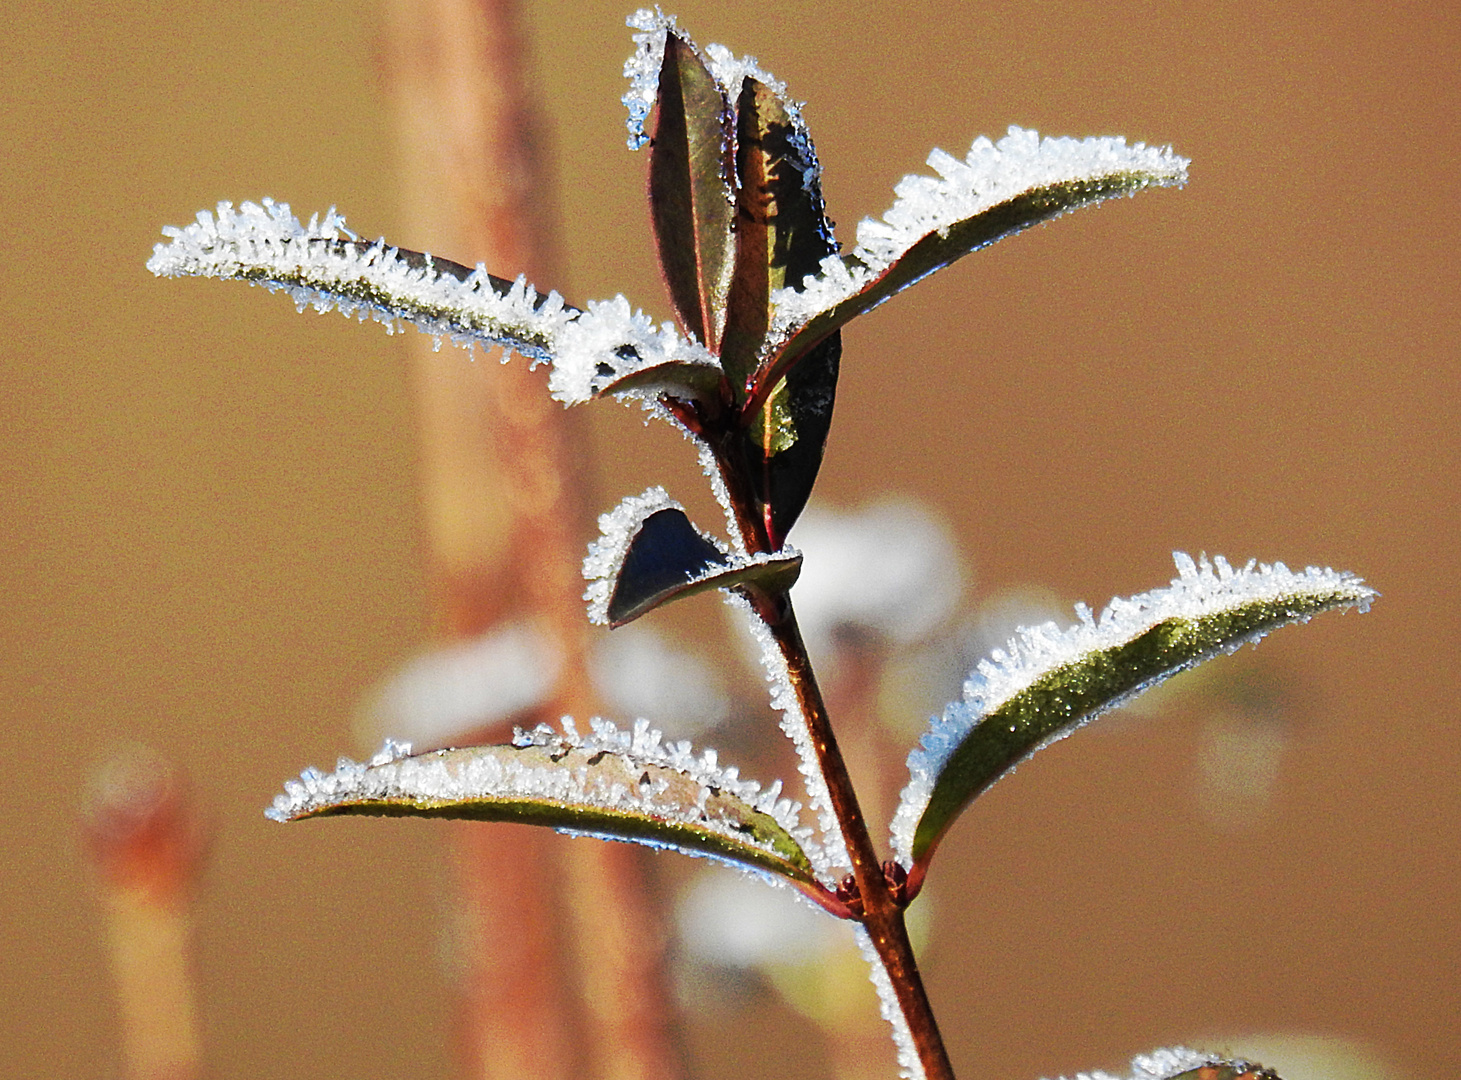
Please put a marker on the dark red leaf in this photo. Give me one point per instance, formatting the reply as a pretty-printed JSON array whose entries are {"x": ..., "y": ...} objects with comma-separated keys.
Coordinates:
[{"x": 690, "y": 194}]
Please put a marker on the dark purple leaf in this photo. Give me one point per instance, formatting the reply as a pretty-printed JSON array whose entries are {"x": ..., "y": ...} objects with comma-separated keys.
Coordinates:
[
  {"x": 782, "y": 232},
  {"x": 690, "y": 195}
]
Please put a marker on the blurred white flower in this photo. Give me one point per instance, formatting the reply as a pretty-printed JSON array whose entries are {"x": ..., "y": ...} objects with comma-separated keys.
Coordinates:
[
  {"x": 448, "y": 693},
  {"x": 639, "y": 675},
  {"x": 730, "y": 919},
  {"x": 889, "y": 571}
]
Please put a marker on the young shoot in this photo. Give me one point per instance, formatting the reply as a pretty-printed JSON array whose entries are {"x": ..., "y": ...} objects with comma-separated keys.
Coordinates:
[{"x": 760, "y": 289}]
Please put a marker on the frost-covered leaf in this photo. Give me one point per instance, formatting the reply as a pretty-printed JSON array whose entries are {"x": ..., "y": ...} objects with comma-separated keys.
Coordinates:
[
  {"x": 324, "y": 265},
  {"x": 998, "y": 189},
  {"x": 620, "y": 785},
  {"x": 689, "y": 381},
  {"x": 783, "y": 444},
  {"x": 1180, "y": 1063},
  {"x": 650, "y": 553},
  {"x": 691, "y": 198},
  {"x": 1051, "y": 681},
  {"x": 782, "y": 232}
]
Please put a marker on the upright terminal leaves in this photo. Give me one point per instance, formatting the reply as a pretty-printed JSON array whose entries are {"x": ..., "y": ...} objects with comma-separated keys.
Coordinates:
[
  {"x": 782, "y": 235},
  {"x": 690, "y": 193},
  {"x": 1050, "y": 682}
]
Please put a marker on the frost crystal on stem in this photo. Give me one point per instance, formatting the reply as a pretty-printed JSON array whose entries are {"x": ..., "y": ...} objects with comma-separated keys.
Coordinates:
[
  {"x": 793, "y": 721},
  {"x": 909, "y": 1067}
]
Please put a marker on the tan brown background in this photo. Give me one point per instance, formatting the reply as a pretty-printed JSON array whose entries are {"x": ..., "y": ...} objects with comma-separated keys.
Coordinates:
[{"x": 210, "y": 542}]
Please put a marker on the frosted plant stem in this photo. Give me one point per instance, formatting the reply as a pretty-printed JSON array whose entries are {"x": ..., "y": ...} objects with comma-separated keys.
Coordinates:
[{"x": 881, "y": 915}]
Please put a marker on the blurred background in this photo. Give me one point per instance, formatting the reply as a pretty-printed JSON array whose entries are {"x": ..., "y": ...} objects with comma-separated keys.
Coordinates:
[{"x": 212, "y": 542}]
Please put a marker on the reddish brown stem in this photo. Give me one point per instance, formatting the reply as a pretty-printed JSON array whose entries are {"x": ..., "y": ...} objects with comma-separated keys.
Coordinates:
[{"x": 880, "y": 910}]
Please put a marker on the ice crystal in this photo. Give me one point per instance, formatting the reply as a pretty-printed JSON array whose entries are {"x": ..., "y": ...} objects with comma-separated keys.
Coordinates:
[
  {"x": 909, "y": 1065},
  {"x": 1201, "y": 590},
  {"x": 326, "y": 266},
  {"x": 989, "y": 174},
  {"x": 793, "y": 722},
  {"x": 642, "y": 69},
  {"x": 609, "y": 341}
]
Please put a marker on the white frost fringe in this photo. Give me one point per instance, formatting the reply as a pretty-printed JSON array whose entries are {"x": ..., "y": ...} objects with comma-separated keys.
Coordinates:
[
  {"x": 834, "y": 859},
  {"x": 730, "y": 72},
  {"x": 617, "y": 530},
  {"x": 1165, "y": 1064},
  {"x": 394, "y": 773},
  {"x": 991, "y": 173},
  {"x": 909, "y": 1067},
  {"x": 321, "y": 265},
  {"x": 1201, "y": 589}
]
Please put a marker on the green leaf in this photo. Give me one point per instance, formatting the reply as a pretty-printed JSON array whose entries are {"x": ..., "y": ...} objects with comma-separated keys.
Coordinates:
[
  {"x": 1050, "y": 682},
  {"x": 935, "y": 223},
  {"x": 615, "y": 785},
  {"x": 690, "y": 194}
]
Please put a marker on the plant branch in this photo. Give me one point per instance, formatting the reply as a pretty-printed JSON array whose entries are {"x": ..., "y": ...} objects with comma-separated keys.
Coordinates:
[{"x": 880, "y": 911}]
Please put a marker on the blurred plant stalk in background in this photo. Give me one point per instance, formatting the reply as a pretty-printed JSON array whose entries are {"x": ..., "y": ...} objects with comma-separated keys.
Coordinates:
[
  {"x": 504, "y": 520},
  {"x": 147, "y": 842}
]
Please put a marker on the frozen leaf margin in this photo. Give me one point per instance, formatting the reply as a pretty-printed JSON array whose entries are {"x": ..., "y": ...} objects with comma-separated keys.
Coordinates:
[
  {"x": 612, "y": 784},
  {"x": 1050, "y": 681},
  {"x": 649, "y": 553},
  {"x": 324, "y": 265},
  {"x": 997, "y": 189},
  {"x": 1180, "y": 1063}
]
